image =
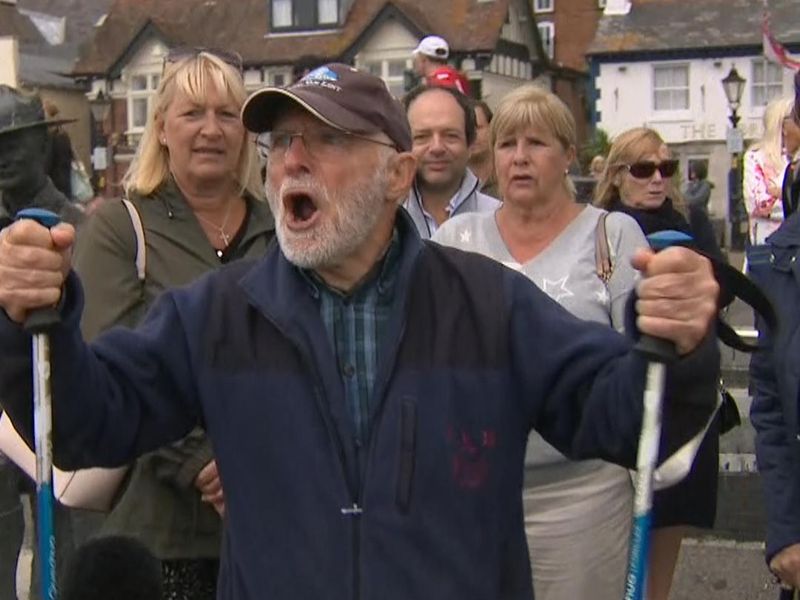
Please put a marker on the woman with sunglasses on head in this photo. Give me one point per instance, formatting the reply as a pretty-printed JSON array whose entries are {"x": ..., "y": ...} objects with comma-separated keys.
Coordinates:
[
  {"x": 577, "y": 513},
  {"x": 638, "y": 181},
  {"x": 195, "y": 187}
]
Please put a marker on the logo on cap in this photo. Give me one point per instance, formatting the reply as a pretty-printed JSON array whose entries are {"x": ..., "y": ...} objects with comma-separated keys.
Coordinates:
[
  {"x": 323, "y": 77},
  {"x": 322, "y": 73}
]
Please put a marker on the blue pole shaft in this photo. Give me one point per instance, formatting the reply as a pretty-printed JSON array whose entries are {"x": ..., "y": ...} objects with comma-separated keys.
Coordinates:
[
  {"x": 647, "y": 458},
  {"x": 43, "y": 427}
]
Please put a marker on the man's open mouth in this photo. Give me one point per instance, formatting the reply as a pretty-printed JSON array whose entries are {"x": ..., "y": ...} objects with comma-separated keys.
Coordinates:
[{"x": 301, "y": 210}]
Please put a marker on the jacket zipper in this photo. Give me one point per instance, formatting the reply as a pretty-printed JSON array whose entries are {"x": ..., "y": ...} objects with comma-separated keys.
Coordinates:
[
  {"x": 353, "y": 488},
  {"x": 370, "y": 442}
]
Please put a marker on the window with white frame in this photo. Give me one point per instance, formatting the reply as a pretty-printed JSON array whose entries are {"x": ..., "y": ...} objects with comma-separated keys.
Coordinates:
[
  {"x": 302, "y": 15},
  {"x": 327, "y": 12},
  {"x": 141, "y": 89},
  {"x": 282, "y": 13},
  {"x": 671, "y": 87},
  {"x": 767, "y": 82},
  {"x": 601, "y": 3},
  {"x": 547, "y": 31},
  {"x": 392, "y": 71},
  {"x": 541, "y": 6}
]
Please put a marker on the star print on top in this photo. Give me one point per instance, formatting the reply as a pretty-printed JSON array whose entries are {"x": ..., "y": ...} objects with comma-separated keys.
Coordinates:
[
  {"x": 566, "y": 269},
  {"x": 557, "y": 289}
]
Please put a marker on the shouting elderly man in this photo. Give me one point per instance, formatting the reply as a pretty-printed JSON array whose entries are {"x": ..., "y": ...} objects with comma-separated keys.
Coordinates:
[{"x": 368, "y": 395}]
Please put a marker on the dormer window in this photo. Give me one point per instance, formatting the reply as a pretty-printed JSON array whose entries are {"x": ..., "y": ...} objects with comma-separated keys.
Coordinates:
[{"x": 303, "y": 15}]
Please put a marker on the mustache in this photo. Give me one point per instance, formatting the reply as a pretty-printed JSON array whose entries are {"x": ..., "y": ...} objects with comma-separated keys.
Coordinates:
[{"x": 305, "y": 183}]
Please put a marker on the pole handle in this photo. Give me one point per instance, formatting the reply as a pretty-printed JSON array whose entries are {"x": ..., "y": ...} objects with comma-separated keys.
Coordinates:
[
  {"x": 41, "y": 319},
  {"x": 655, "y": 349}
]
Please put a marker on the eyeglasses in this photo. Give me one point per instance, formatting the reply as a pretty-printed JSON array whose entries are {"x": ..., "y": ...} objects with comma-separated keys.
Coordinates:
[
  {"x": 229, "y": 57},
  {"x": 646, "y": 168},
  {"x": 321, "y": 144}
]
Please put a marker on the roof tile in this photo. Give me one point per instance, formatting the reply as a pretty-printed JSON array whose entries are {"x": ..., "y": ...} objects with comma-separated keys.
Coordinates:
[
  {"x": 663, "y": 25},
  {"x": 243, "y": 26}
]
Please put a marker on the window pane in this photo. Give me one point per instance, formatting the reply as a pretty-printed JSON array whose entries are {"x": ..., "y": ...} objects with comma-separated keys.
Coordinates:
[
  {"x": 139, "y": 83},
  {"x": 759, "y": 97},
  {"x": 662, "y": 100},
  {"x": 546, "y": 32},
  {"x": 396, "y": 88},
  {"x": 767, "y": 82},
  {"x": 758, "y": 72},
  {"x": 671, "y": 88},
  {"x": 661, "y": 77},
  {"x": 773, "y": 91},
  {"x": 139, "y": 112},
  {"x": 373, "y": 68},
  {"x": 154, "y": 81},
  {"x": 327, "y": 11},
  {"x": 774, "y": 73},
  {"x": 396, "y": 68},
  {"x": 680, "y": 99},
  {"x": 278, "y": 80},
  {"x": 281, "y": 13},
  {"x": 680, "y": 77}
]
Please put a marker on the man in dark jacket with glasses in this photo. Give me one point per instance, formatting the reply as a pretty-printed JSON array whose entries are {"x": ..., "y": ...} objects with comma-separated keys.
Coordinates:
[{"x": 368, "y": 394}]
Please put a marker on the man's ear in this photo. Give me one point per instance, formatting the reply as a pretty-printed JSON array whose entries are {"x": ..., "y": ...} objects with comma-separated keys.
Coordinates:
[{"x": 400, "y": 176}]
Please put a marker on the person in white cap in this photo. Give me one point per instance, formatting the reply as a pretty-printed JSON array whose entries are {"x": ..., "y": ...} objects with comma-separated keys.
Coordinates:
[{"x": 430, "y": 64}]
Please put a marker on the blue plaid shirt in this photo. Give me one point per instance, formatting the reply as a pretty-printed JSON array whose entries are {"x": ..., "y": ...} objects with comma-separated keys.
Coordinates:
[{"x": 355, "y": 324}]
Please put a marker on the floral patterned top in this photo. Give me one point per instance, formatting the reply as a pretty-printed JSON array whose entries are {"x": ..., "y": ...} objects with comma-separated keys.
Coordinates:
[{"x": 764, "y": 209}]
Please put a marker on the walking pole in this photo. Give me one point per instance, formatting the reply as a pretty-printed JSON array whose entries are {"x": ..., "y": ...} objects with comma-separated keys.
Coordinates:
[
  {"x": 658, "y": 353},
  {"x": 39, "y": 323}
]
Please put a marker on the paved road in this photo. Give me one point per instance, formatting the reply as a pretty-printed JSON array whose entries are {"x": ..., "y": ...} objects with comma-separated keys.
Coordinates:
[{"x": 722, "y": 570}]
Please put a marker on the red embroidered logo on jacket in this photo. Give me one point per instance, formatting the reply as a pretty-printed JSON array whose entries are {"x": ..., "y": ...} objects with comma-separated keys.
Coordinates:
[{"x": 470, "y": 462}]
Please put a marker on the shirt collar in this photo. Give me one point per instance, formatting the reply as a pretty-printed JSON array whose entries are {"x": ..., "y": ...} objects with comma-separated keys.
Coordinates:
[
  {"x": 469, "y": 185},
  {"x": 383, "y": 274}
]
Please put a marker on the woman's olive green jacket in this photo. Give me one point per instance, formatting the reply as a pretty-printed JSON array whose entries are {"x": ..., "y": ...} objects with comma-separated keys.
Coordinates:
[{"x": 159, "y": 504}]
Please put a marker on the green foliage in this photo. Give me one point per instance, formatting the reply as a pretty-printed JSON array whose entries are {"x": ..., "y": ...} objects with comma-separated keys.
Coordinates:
[{"x": 599, "y": 143}]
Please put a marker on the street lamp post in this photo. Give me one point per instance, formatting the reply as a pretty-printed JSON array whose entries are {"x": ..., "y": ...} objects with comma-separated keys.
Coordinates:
[
  {"x": 733, "y": 84},
  {"x": 100, "y": 107}
]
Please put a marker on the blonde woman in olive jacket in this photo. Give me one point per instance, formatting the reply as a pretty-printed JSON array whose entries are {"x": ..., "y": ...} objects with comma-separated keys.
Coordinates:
[{"x": 193, "y": 183}]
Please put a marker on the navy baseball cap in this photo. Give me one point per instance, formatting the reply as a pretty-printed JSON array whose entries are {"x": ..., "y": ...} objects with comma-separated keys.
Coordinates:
[{"x": 340, "y": 96}]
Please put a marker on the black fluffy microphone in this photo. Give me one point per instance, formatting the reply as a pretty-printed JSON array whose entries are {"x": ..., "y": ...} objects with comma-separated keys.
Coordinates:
[{"x": 112, "y": 568}]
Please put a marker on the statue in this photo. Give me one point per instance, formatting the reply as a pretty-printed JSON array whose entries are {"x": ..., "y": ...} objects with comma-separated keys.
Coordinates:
[
  {"x": 24, "y": 183},
  {"x": 23, "y": 152}
]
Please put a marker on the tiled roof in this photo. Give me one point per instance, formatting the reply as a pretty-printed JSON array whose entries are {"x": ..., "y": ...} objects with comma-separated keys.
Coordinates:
[
  {"x": 242, "y": 25},
  {"x": 663, "y": 25},
  {"x": 17, "y": 25},
  {"x": 46, "y": 70},
  {"x": 81, "y": 14}
]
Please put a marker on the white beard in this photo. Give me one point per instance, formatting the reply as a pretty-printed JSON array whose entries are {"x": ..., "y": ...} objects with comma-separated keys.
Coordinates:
[{"x": 348, "y": 219}]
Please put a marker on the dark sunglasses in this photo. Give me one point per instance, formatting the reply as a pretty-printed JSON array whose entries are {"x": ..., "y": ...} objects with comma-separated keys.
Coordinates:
[
  {"x": 234, "y": 59},
  {"x": 646, "y": 168}
]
